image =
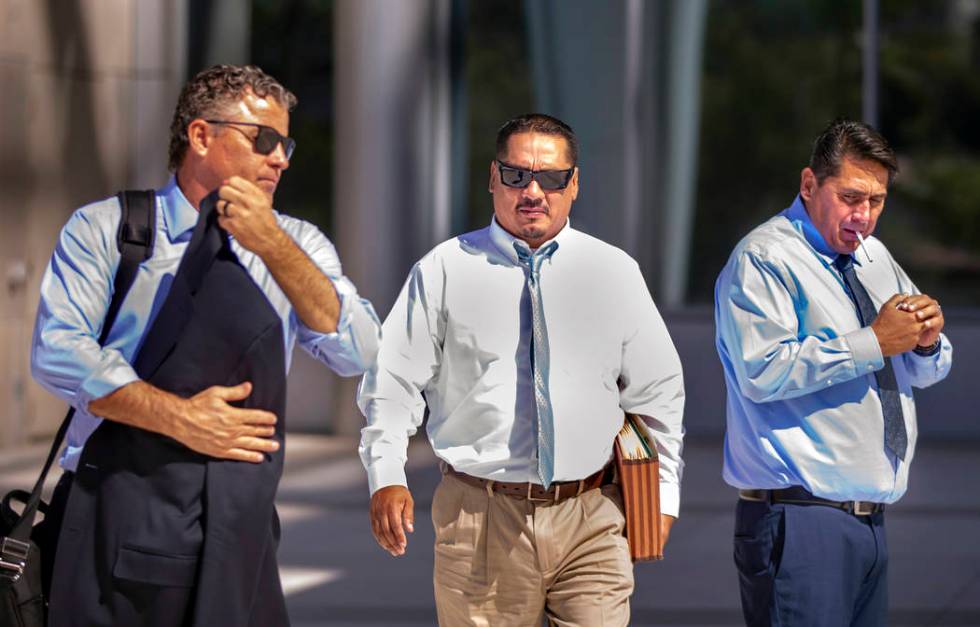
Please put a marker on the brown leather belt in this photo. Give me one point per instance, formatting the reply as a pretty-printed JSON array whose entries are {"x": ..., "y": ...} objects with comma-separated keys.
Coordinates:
[
  {"x": 798, "y": 495},
  {"x": 556, "y": 493}
]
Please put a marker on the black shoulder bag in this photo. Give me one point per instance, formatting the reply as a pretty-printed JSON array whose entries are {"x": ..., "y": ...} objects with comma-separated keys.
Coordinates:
[{"x": 22, "y": 602}]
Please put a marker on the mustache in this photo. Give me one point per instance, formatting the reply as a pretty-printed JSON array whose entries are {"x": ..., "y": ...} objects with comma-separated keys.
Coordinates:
[{"x": 532, "y": 203}]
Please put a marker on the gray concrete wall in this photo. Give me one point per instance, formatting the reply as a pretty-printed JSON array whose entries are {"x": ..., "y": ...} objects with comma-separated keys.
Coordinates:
[{"x": 87, "y": 92}]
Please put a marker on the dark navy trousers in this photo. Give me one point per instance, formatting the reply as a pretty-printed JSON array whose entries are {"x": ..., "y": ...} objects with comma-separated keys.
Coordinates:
[{"x": 810, "y": 566}]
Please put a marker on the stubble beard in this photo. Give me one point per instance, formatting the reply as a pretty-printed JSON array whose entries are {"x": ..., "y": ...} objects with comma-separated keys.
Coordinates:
[{"x": 533, "y": 231}]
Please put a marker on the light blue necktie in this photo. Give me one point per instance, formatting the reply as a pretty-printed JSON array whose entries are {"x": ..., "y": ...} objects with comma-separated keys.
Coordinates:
[{"x": 539, "y": 357}]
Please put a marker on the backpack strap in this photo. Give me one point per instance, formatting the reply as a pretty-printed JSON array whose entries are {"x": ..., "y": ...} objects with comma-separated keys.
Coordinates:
[{"x": 134, "y": 239}]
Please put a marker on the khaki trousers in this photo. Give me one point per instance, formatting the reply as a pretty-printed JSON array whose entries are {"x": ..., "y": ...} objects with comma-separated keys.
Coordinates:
[{"x": 502, "y": 561}]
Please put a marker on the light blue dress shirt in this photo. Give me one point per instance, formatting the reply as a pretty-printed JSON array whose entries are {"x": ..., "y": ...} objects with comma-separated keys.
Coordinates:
[
  {"x": 803, "y": 406},
  {"x": 77, "y": 287}
]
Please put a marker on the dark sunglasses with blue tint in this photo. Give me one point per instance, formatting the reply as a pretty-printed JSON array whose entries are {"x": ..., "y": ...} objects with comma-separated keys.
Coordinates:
[
  {"x": 266, "y": 140},
  {"x": 520, "y": 178}
]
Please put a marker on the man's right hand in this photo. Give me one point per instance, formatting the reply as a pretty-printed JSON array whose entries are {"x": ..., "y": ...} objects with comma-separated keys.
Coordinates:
[
  {"x": 392, "y": 514},
  {"x": 897, "y": 329},
  {"x": 211, "y": 426},
  {"x": 205, "y": 422}
]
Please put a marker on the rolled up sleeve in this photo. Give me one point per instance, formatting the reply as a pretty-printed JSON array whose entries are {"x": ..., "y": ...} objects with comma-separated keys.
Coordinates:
[
  {"x": 76, "y": 289},
  {"x": 353, "y": 347}
]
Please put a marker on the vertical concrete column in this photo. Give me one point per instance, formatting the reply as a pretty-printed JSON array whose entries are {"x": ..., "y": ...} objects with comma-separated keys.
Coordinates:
[
  {"x": 627, "y": 78},
  {"x": 159, "y": 56},
  {"x": 220, "y": 31},
  {"x": 580, "y": 57},
  {"x": 88, "y": 90},
  {"x": 15, "y": 180},
  {"x": 688, "y": 21},
  {"x": 392, "y": 172},
  {"x": 869, "y": 62}
]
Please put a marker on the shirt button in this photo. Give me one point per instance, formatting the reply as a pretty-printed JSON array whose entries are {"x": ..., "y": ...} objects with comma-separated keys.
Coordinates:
[{"x": 870, "y": 367}]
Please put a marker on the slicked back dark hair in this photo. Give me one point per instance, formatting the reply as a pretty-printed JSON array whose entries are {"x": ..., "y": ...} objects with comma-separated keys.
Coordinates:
[
  {"x": 212, "y": 92},
  {"x": 537, "y": 123},
  {"x": 847, "y": 138}
]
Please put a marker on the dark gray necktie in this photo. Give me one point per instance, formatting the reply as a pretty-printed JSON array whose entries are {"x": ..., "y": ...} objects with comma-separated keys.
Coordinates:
[
  {"x": 531, "y": 261},
  {"x": 891, "y": 402}
]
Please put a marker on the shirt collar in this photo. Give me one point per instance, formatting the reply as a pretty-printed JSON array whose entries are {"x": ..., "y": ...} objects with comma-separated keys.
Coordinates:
[
  {"x": 504, "y": 241},
  {"x": 179, "y": 214},
  {"x": 798, "y": 216}
]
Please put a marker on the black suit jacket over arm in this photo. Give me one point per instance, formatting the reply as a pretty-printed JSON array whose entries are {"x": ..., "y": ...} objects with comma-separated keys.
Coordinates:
[{"x": 154, "y": 533}]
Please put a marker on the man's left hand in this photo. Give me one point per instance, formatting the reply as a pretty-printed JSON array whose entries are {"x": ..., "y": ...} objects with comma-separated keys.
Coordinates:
[
  {"x": 927, "y": 311},
  {"x": 245, "y": 211}
]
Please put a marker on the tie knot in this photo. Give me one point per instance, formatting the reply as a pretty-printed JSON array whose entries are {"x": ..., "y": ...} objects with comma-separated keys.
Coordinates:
[
  {"x": 523, "y": 253},
  {"x": 844, "y": 262},
  {"x": 533, "y": 259}
]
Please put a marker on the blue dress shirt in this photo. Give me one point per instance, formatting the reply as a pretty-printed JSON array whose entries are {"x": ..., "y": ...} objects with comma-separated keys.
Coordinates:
[
  {"x": 803, "y": 406},
  {"x": 77, "y": 287}
]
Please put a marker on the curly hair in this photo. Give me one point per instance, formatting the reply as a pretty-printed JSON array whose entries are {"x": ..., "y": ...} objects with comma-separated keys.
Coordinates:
[{"x": 214, "y": 90}]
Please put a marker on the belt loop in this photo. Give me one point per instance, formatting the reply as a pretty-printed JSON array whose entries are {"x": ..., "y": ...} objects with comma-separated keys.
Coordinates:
[
  {"x": 581, "y": 486},
  {"x": 489, "y": 487},
  {"x": 557, "y": 492},
  {"x": 529, "y": 491}
]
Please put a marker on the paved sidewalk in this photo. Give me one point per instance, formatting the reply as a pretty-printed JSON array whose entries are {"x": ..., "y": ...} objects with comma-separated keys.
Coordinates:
[{"x": 335, "y": 575}]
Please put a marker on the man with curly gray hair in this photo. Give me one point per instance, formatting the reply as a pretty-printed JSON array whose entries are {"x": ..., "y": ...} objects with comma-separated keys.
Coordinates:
[{"x": 174, "y": 554}]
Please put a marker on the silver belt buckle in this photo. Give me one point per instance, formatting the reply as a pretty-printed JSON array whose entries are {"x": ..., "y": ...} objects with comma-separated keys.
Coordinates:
[{"x": 863, "y": 508}]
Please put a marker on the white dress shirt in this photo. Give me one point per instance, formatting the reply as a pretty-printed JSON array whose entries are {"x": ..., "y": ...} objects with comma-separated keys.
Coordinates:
[
  {"x": 454, "y": 342},
  {"x": 803, "y": 404},
  {"x": 77, "y": 287}
]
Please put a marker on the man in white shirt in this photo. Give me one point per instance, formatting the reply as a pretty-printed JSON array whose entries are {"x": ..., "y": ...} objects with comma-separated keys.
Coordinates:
[{"x": 526, "y": 340}]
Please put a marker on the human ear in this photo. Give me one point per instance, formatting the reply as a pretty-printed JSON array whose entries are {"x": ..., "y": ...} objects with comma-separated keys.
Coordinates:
[
  {"x": 808, "y": 183},
  {"x": 198, "y": 139}
]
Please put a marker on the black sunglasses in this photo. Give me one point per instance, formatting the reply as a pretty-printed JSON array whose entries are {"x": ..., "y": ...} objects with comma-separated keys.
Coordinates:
[
  {"x": 266, "y": 140},
  {"x": 520, "y": 178}
]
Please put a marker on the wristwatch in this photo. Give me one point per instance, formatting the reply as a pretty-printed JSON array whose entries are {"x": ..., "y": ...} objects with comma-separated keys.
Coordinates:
[{"x": 928, "y": 351}]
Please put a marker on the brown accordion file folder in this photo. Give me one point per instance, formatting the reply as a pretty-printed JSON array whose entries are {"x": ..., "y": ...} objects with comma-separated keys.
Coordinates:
[{"x": 639, "y": 479}]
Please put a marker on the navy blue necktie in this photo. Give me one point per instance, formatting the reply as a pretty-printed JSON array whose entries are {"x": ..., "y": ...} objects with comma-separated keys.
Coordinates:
[
  {"x": 891, "y": 402},
  {"x": 531, "y": 261}
]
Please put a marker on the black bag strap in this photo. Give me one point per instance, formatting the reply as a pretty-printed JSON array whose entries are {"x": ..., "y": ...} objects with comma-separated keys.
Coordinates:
[{"x": 134, "y": 239}]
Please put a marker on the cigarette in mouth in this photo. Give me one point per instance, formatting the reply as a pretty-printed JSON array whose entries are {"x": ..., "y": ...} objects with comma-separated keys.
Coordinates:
[{"x": 863, "y": 247}]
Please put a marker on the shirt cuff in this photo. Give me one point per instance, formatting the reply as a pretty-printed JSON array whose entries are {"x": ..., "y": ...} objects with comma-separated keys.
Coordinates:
[
  {"x": 381, "y": 475},
  {"x": 670, "y": 499},
  {"x": 929, "y": 351},
  {"x": 865, "y": 350},
  {"x": 111, "y": 373},
  {"x": 354, "y": 345}
]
